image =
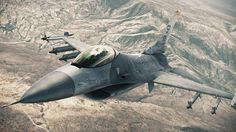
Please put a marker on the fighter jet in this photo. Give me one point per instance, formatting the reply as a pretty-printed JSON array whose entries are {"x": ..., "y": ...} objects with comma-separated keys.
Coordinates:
[{"x": 100, "y": 72}]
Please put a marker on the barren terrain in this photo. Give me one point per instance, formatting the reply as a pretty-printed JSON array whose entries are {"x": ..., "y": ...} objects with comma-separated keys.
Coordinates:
[{"x": 204, "y": 42}]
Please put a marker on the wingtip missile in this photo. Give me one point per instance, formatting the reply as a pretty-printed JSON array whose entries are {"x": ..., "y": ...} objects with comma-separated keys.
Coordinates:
[{"x": 51, "y": 38}]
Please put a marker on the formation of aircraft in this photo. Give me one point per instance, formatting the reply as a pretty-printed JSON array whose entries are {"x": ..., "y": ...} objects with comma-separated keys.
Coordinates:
[{"x": 100, "y": 72}]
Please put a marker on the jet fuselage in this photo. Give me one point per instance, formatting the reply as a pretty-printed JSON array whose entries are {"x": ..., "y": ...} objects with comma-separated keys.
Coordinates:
[{"x": 123, "y": 73}]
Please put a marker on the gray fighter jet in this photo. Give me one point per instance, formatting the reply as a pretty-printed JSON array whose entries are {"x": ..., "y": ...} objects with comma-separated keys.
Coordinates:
[{"x": 100, "y": 72}]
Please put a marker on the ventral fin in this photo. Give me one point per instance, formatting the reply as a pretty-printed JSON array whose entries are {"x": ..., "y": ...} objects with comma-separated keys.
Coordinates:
[{"x": 150, "y": 86}]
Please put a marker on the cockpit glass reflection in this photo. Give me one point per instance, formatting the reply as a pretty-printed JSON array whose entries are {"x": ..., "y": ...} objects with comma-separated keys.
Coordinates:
[{"x": 95, "y": 56}]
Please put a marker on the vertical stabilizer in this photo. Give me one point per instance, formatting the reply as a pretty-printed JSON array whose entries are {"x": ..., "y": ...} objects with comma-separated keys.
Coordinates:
[{"x": 159, "y": 46}]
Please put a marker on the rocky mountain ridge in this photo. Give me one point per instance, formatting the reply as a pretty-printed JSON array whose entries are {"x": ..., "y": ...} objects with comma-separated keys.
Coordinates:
[{"x": 203, "y": 43}]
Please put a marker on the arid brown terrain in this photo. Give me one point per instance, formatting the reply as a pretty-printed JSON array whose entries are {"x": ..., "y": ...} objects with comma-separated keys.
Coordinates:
[{"x": 203, "y": 42}]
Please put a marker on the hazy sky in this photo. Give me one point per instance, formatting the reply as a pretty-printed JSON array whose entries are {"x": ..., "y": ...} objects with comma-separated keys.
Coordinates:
[{"x": 225, "y": 6}]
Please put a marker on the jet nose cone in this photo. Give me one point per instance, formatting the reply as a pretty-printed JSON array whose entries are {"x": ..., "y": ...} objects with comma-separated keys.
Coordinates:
[{"x": 54, "y": 86}]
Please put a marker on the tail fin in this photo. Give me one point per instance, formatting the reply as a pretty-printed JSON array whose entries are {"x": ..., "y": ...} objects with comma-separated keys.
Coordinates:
[{"x": 159, "y": 47}]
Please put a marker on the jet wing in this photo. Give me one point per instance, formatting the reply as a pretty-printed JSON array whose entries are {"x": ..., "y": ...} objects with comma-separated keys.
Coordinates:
[
  {"x": 177, "y": 81},
  {"x": 78, "y": 45},
  {"x": 174, "y": 80},
  {"x": 75, "y": 46}
]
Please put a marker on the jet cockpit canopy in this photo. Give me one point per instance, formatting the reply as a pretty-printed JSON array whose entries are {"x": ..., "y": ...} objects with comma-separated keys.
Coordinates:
[{"x": 95, "y": 56}]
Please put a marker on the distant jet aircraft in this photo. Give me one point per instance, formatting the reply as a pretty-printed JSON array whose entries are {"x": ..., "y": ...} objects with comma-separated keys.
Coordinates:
[{"x": 100, "y": 72}]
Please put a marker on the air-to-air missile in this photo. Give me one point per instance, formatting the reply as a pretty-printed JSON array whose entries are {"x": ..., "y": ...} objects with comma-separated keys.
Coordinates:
[
  {"x": 215, "y": 106},
  {"x": 68, "y": 56},
  {"x": 62, "y": 49},
  {"x": 192, "y": 100}
]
